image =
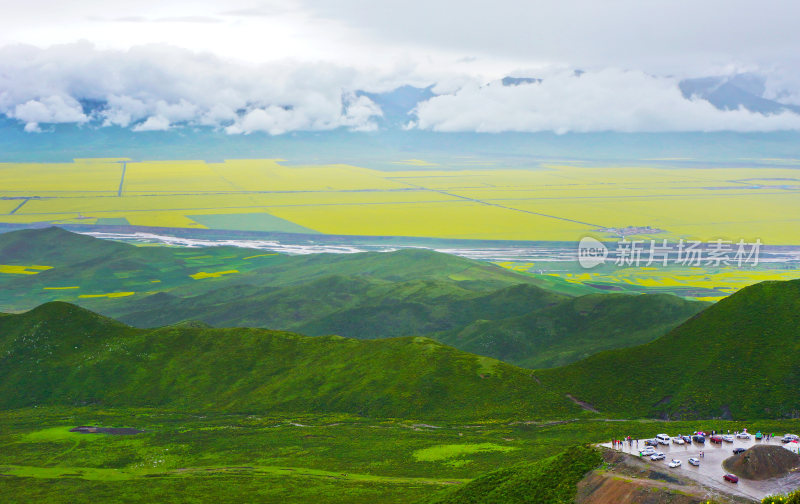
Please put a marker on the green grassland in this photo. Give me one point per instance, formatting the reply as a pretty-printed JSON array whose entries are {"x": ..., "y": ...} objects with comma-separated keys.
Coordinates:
[{"x": 297, "y": 458}]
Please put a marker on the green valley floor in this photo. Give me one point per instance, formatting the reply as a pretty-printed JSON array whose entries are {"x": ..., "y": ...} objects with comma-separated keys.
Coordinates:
[{"x": 231, "y": 458}]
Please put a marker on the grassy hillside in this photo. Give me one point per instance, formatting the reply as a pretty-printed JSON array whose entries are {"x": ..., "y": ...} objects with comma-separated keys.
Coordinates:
[
  {"x": 522, "y": 324},
  {"x": 471, "y": 305},
  {"x": 421, "y": 316},
  {"x": 574, "y": 328},
  {"x": 739, "y": 358},
  {"x": 550, "y": 481},
  {"x": 61, "y": 354}
]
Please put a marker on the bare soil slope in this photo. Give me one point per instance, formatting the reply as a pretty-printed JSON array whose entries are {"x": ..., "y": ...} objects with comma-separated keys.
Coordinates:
[{"x": 628, "y": 480}]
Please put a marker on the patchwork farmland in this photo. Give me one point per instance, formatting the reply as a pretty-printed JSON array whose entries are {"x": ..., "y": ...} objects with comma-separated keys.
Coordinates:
[{"x": 547, "y": 203}]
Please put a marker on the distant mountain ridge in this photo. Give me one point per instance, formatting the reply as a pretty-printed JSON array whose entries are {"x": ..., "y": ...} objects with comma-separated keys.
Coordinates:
[{"x": 733, "y": 92}]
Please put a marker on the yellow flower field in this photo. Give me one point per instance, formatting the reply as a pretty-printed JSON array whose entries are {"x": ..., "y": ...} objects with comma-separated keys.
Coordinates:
[
  {"x": 200, "y": 275},
  {"x": 22, "y": 270},
  {"x": 467, "y": 198},
  {"x": 108, "y": 295}
]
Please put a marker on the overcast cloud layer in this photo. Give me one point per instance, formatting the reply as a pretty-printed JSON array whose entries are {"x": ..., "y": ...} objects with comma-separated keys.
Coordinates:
[{"x": 247, "y": 66}]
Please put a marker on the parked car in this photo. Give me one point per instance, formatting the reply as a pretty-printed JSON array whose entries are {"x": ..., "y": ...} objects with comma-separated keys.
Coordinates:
[
  {"x": 687, "y": 439},
  {"x": 675, "y": 463},
  {"x": 649, "y": 450},
  {"x": 731, "y": 477},
  {"x": 727, "y": 438},
  {"x": 699, "y": 439},
  {"x": 658, "y": 456},
  {"x": 678, "y": 440},
  {"x": 743, "y": 435},
  {"x": 759, "y": 435},
  {"x": 663, "y": 439},
  {"x": 737, "y": 451},
  {"x": 716, "y": 439},
  {"x": 788, "y": 438},
  {"x": 694, "y": 461},
  {"x": 651, "y": 442}
]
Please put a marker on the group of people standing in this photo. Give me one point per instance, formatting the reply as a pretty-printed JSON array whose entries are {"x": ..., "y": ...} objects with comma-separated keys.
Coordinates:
[{"x": 619, "y": 444}]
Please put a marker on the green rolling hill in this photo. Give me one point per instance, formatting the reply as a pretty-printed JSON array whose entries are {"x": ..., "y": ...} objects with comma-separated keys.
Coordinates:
[
  {"x": 737, "y": 359},
  {"x": 522, "y": 324},
  {"x": 573, "y": 328},
  {"x": 471, "y": 305},
  {"x": 60, "y": 354}
]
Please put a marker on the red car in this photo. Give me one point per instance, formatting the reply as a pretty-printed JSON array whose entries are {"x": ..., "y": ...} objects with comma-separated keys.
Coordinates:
[
  {"x": 716, "y": 439},
  {"x": 731, "y": 477}
]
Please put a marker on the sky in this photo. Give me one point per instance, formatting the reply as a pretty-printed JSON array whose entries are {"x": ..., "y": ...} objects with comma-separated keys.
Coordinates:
[{"x": 279, "y": 66}]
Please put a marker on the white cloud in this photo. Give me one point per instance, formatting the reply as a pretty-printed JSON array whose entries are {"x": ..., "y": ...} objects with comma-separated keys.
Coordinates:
[
  {"x": 605, "y": 100},
  {"x": 159, "y": 87},
  {"x": 48, "y": 109},
  {"x": 358, "y": 113},
  {"x": 355, "y": 113},
  {"x": 155, "y": 87},
  {"x": 153, "y": 123}
]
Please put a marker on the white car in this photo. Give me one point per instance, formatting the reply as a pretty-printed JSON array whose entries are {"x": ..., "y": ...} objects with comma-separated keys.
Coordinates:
[
  {"x": 727, "y": 438},
  {"x": 678, "y": 440},
  {"x": 743, "y": 435},
  {"x": 649, "y": 450},
  {"x": 663, "y": 439},
  {"x": 694, "y": 461},
  {"x": 675, "y": 463},
  {"x": 658, "y": 456}
]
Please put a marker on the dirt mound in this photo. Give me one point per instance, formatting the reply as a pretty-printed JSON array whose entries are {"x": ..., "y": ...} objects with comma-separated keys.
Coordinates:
[{"x": 762, "y": 462}]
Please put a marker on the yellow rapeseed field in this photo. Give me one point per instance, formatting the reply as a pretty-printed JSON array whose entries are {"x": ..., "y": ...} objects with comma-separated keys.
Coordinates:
[
  {"x": 200, "y": 275},
  {"x": 480, "y": 200},
  {"x": 22, "y": 270}
]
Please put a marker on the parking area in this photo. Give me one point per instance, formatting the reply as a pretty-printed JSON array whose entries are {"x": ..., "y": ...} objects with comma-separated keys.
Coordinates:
[{"x": 710, "y": 471}]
